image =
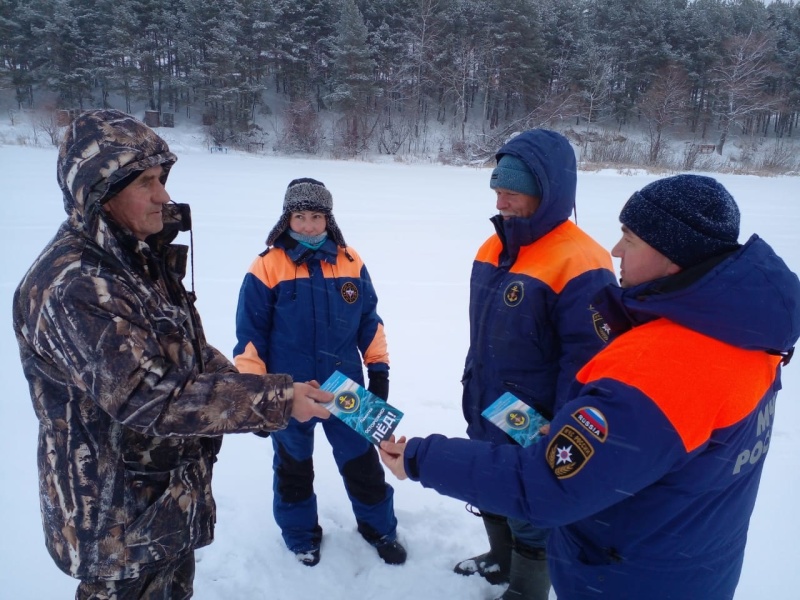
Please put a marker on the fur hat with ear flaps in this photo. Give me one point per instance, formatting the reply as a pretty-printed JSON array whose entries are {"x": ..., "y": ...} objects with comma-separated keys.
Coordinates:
[{"x": 307, "y": 194}]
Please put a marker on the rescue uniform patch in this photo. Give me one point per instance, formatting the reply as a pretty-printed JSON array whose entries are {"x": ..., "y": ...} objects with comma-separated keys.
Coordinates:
[
  {"x": 568, "y": 452},
  {"x": 349, "y": 292},
  {"x": 514, "y": 293},
  {"x": 601, "y": 328}
]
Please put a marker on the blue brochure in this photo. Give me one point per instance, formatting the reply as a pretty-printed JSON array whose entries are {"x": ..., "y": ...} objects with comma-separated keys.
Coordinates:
[
  {"x": 360, "y": 409},
  {"x": 516, "y": 418}
]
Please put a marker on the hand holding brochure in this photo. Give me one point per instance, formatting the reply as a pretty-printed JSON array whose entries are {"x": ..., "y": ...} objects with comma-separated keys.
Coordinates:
[
  {"x": 520, "y": 421},
  {"x": 360, "y": 409}
]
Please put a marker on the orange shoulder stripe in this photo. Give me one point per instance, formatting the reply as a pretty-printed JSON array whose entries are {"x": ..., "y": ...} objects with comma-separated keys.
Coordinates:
[
  {"x": 555, "y": 259},
  {"x": 276, "y": 267},
  {"x": 489, "y": 252},
  {"x": 346, "y": 267},
  {"x": 699, "y": 383}
]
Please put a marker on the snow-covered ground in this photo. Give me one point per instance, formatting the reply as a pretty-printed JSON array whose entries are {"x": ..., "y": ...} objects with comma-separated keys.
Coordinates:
[{"x": 417, "y": 227}]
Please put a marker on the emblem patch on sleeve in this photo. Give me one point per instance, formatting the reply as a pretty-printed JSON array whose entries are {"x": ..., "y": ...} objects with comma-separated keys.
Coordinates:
[
  {"x": 568, "y": 452},
  {"x": 593, "y": 421},
  {"x": 349, "y": 292}
]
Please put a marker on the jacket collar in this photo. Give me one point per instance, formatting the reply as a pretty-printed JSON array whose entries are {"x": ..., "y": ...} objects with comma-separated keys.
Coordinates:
[{"x": 301, "y": 254}]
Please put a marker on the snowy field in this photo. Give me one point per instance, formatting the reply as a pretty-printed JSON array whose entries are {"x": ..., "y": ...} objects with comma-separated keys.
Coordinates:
[{"x": 417, "y": 228}]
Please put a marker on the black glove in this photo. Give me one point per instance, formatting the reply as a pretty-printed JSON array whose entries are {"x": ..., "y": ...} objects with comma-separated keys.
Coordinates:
[
  {"x": 262, "y": 433},
  {"x": 378, "y": 383}
]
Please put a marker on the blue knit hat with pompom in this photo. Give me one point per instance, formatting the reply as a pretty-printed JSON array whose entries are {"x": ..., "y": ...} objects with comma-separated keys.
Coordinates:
[{"x": 687, "y": 218}]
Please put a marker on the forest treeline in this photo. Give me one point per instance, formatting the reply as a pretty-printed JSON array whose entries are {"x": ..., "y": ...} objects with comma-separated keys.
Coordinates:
[{"x": 392, "y": 75}]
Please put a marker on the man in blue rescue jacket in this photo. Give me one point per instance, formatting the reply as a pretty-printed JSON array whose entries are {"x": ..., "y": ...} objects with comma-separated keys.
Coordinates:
[
  {"x": 650, "y": 471},
  {"x": 532, "y": 326}
]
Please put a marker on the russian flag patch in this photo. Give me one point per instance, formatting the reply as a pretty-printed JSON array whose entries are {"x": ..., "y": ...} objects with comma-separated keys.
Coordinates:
[{"x": 592, "y": 421}]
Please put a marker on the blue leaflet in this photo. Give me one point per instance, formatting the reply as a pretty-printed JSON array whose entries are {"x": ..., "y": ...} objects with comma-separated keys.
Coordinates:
[
  {"x": 360, "y": 409},
  {"x": 516, "y": 418}
]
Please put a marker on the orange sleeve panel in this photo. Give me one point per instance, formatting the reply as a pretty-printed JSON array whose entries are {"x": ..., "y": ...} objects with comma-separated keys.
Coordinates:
[
  {"x": 555, "y": 259},
  {"x": 699, "y": 383},
  {"x": 378, "y": 351},
  {"x": 249, "y": 361}
]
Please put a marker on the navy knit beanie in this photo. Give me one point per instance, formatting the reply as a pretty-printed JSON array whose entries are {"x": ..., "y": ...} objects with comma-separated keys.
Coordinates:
[
  {"x": 513, "y": 174},
  {"x": 687, "y": 218}
]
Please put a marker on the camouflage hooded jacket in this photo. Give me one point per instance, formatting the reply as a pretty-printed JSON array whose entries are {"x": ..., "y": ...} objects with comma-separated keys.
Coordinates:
[{"x": 127, "y": 392}]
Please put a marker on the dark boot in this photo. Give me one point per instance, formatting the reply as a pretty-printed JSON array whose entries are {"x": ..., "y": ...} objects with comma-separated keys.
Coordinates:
[
  {"x": 392, "y": 553},
  {"x": 390, "y": 550},
  {"x": 310, "y": 558},
  {"x": 495, "y": 565},
  {"x": 530, "y": 579}
]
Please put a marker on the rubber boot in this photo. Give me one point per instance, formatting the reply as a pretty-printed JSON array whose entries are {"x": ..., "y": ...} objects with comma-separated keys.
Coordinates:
[
  {"x": 530, "y": 579},
  {"x": 495, "y": 565}
]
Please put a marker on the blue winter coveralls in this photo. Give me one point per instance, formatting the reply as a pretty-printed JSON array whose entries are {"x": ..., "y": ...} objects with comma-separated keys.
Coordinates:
[{"x": 309, "y": 313}]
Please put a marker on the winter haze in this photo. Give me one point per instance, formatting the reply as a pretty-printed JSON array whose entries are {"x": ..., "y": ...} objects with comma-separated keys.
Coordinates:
[{"x": 417, "y": 227}]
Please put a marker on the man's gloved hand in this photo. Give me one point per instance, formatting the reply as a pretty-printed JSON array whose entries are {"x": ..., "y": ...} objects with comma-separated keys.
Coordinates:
[
  {"x": 262, "y": 433},
  {"x": 378, "y": 383}
]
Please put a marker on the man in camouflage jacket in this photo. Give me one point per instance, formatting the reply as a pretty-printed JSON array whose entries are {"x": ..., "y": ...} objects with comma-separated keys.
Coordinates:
[{"x": 130, "y": 398}]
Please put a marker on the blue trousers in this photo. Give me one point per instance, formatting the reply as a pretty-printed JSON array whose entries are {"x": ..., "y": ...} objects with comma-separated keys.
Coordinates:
[{"x": 294, "y": 501}]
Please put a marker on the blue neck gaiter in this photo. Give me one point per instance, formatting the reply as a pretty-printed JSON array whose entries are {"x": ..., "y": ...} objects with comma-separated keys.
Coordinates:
[{"x": 314, "y": 242}]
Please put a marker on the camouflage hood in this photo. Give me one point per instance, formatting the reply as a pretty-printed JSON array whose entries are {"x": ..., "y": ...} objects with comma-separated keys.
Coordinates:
[
  {"x": 131, "y": 399},
  {"x": 102, "y": 151}
]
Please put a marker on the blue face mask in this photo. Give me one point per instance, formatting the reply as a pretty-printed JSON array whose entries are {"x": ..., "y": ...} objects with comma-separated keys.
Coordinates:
[{"x": 310, "y": 241}]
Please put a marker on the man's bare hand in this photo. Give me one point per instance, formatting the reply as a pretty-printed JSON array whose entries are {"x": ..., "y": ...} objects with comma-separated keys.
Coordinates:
[
  {"x": 307, "y": 399},
  {"x": 392, "y": 452}
]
